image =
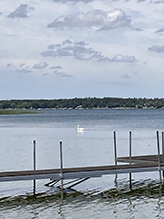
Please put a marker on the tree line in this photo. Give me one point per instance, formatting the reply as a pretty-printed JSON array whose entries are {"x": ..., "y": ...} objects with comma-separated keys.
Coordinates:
[{"x": 83, "y": 103}]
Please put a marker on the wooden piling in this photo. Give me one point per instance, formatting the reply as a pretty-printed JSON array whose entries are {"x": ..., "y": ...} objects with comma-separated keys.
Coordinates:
[
  {"x": 61, "y": 169},
  {"x": 34, "y": 166},
  {"x": 130, "y": 157},
  {"x": 159, "y": 160}
]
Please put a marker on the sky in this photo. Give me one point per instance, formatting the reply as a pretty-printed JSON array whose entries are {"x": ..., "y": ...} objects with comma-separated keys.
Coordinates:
[{"x": 51, "y": 49}]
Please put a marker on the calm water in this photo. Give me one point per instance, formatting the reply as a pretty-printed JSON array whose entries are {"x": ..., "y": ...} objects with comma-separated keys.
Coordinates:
[{"x": 95, "y": 198}]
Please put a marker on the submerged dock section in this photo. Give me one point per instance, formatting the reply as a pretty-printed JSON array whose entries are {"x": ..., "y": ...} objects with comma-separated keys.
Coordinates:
[{"x": 130, "y": 164}]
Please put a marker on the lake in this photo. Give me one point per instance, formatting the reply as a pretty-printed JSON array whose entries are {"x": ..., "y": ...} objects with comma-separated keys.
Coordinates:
[{"x": 97, "y": 197}]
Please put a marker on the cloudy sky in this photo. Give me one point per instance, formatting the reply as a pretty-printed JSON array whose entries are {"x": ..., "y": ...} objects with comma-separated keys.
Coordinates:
[{"x": 81, "y": 48}]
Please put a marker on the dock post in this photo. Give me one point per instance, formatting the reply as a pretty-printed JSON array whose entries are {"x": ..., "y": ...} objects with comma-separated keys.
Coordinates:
[
  {"x": 34, "y": 166},
  {"x": 115, "y": 150},
  {"x": 163, "y": 149},
  {"x": 159, "y": 159},
  {"x": 61, "y": 169},
  {"x": 130, "y": 157},
  {"x": 115, "y": 155}
]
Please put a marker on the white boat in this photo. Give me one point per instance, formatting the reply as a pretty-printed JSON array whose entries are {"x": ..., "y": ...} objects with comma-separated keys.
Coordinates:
[{"x": 78, "y": 129}]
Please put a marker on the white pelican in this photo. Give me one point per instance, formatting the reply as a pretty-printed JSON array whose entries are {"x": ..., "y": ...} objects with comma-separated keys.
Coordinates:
[{"x": 78, "y": 129}]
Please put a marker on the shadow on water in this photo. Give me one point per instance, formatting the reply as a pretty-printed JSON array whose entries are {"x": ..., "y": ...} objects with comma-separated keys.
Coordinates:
[{"x": 140, "y": 190}]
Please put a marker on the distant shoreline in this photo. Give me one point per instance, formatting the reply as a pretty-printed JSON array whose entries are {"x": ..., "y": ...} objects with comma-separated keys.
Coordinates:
[
  {"x": 83, "y": 103},
  {"x": 34, "y": 111}
]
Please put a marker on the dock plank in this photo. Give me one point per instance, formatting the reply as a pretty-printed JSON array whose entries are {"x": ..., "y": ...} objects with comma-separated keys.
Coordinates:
[
  {"x": 142, "y": 159},
  {"x": 76, "y": 172}
]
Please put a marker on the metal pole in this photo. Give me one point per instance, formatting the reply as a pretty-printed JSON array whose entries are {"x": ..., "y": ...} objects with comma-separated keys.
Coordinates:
[
  {"x": 163, "y": 148},
  {"x": 115, "y": 150},
  {"x": 34, "y": 166},
  {"x": 130, "y": 157},
  {"x": 159, "y": 159},
  {"x": 115, "y": 156},
  {"x": 61, "y": 169}
]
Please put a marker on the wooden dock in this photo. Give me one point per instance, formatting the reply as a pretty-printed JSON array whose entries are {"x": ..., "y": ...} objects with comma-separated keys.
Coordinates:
[
  {"x": 83, "y": 172},
  {"x": 142, "y": 159},
  {"x": 133, "y": 164}
]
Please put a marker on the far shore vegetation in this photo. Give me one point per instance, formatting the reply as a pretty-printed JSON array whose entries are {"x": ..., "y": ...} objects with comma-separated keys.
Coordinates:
[
  {"x": 14, "y": 112},
  {"x": 30, "y": 105}
]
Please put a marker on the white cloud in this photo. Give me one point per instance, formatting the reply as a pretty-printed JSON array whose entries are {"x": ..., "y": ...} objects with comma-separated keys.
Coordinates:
[
  {"x": 40, "y": 65},
  {"x": 9, "y": 64},
  {"x": 21, "y": 65},
  {"x": 78, "y": 50},
  {"x": 23, "y": 11},
  {"x": 123, "y": 58},
  {"x": 45, "y": 74},
  {"x": 75, "y": 1},
  {"x": 56, "y": 67},
  {"x": 23, "y": 71},
  {"x": 61, "y": 74},
  {"x": 160, "y": 30},
  {"x": 159, "y": 49},
  {"x": 126, "y": 76},
  {"x": 96, "y": 19},
  {"x": 81, "y": 51},
  {"x": 157, "y": 1},
  {"x": 107, "y": 41},
  {"x": 141, "y": 1}
]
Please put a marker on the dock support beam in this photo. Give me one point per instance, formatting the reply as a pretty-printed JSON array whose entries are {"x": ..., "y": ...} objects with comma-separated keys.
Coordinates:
[
  {"x": 130, "y": 157},
  {"x": 34, "y": 166}
]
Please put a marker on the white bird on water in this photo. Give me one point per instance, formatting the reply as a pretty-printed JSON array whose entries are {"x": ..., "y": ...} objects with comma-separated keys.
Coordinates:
[{"x": 78, "y": 129}]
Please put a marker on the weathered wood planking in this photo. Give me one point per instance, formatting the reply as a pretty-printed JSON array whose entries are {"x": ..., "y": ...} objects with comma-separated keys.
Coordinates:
[
  {"x": 142, "y": 159},
  {"x": 79, "y": 172}
]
